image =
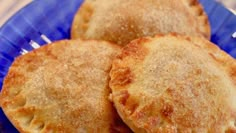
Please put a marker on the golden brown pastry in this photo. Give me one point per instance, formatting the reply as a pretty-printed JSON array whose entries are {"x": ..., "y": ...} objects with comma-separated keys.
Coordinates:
[
  {"x": 62, "y": 87},
  {"x": 121, "y": 21},
  {"x": 175, "y": 84}
]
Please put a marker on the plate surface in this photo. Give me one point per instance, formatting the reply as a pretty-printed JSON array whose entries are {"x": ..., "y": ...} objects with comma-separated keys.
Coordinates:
[{"x": 53, "y": 18}]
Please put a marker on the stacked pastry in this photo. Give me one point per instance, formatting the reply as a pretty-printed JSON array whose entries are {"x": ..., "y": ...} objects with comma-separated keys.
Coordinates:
[{"x": 131, "y": 66}]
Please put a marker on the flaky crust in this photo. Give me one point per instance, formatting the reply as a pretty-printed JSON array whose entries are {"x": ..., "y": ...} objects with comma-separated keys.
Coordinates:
[
  {"x": 62, "y": 87},
  {"x": 175, "y": 84},
  {"x": 121, "y": 21}
]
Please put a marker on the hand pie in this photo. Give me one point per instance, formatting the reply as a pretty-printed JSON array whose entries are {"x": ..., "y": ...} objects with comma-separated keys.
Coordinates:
[
  {"x": 175, "y": 84},
  {"x": 121, "y": 21},
  {"x": 62, "y": 87}
]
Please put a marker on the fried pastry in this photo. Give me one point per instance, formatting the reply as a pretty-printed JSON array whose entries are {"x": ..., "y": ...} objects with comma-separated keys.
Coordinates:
[
  {"x": 62, "y": 87},
  {"x": 173, "y": 83},
  {"x": 121, "y": 21}
]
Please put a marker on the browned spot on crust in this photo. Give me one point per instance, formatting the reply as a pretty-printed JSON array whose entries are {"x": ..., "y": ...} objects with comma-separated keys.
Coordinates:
[
  {"x": 122, "y": 77},
  {"x": 34, "y": 63},
  {"x": 49, "y": 53},
  {"x": 193, "y": 2},
  {"x": 199, "y": 11},
  {"x": 232, "y": 72},
  {"x": 124, "y": 95},
  {"x": 135, "y": 49},
  {"x": 167, "y": 110},
  {"x": 131, "y": 106},
  {"x": 231, "y": 130},
  {"x": 152, "y": 121},
  {"x": 14, "y": 78},
  {"x": 213, "y": 56}
]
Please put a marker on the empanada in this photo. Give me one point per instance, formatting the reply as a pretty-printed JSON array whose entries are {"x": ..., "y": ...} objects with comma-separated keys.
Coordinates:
[
  {"x": 121, "y": 21},
  {"x": 62, "y": 87},
  {"x": 173, "y": 83}
]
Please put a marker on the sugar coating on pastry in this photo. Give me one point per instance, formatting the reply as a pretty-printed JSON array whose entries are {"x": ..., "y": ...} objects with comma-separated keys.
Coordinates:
[
  {"x": 174, "y": 83},
  {"x": 121, "y": 21},
  {"x": 62, "y": 87}
]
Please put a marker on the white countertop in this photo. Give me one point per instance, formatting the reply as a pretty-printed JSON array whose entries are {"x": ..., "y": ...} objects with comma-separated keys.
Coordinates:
[{"x": 9, "y": 7}]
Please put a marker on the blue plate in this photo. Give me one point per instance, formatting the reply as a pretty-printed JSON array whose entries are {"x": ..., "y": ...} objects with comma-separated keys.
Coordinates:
[{"x": 43, "y": 21}]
